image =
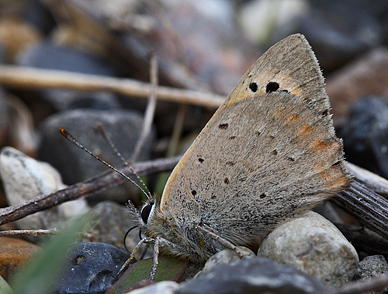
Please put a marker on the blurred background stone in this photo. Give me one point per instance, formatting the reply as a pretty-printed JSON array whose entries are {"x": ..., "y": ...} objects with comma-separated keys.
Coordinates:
[
  {"x": 75, "y": 165},
  {"x": 365, "y": 135},
  {"x": 38, "y": 179}
]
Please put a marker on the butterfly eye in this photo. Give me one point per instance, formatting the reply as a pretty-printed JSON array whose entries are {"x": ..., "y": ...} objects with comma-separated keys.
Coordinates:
[{"x": 146, "y": 211}]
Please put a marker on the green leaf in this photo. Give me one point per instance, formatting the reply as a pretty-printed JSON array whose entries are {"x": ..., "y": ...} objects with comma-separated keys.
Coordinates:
[
  {"x": 169, "y": 269},
  {"x": 39, "y": 274},
  {"x": 4, "y": 287}
]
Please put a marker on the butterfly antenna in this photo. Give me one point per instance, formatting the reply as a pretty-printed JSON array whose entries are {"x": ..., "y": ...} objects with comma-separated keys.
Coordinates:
[
  {"x": 70, "y": 138},
  {"x": 126, "y": 235},
  {"x": 112, "y": 145}
]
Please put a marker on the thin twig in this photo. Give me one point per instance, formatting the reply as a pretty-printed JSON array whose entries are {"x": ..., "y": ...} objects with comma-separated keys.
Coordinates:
[
  {"x": 18, "y": 233},
  {"x": 150, "y": 111},
  {"x": 374, "y": 284},
  {"x": 84, "y": 189},
  {"x": 33, "y": 78},
  {"x": 177, "y": 131}
]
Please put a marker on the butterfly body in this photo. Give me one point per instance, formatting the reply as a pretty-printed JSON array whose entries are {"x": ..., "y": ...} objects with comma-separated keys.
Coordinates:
[{"x": 268, "y": 155}]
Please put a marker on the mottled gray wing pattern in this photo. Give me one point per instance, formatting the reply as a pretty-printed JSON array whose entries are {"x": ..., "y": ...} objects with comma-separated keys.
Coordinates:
[{"x": 268, "y": 154}]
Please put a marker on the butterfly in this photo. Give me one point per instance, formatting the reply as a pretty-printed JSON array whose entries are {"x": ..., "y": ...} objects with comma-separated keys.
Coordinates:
[{"x": 268, "y": 155}]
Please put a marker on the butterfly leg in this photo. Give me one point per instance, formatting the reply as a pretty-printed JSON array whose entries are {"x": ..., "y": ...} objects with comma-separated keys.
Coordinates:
[
  {"x": 157, "y": 242},
  {"x": 222, "y": 241},
  {"x": 136, "y": 249},
  {"x": 156, "y": 259}
]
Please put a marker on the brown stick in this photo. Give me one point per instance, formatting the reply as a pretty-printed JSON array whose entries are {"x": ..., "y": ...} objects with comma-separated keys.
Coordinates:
[
  {"x": 365, "y": 205},
  {"x": 32, "y": 78},
  {"x": 17, "y": 233},
  {"x": 84, "y": 189},
  {"x": 151, "y": 106}
]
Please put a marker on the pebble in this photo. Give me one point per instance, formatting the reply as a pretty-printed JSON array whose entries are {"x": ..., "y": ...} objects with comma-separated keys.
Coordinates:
[
  {"x": 13, "y": 254},
  {"x": 315, "y": 246},
  {"x": 338, "y": 31},
  {"x": 226, "y": 256},
  {"x": 253, "y": 275},
  {"x": 365, "y": 135},
  {"x": 91, "y": 268},
  {"x": 25, "y": 178},
  {"x": 109, "y": 225},
  {"x": 371, "y": 267},
  {"x": 75, "y": 165},
  {"x": 70, "y": 60}
]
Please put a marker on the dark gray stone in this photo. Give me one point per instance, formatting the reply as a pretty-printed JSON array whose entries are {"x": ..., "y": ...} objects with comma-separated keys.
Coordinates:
[
  {"x": 365, "y": 135},
  {"x": 253, "y": 275},
  {"x": 109, "y": 225},
  {"x": 91, "y": 268},
  {"x": 74, "y": 164},
  {"x": 47, "y": 55}
]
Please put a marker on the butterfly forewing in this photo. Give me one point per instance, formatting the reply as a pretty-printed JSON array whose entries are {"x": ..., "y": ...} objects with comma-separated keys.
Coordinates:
[{"x": 268, "y": 154}]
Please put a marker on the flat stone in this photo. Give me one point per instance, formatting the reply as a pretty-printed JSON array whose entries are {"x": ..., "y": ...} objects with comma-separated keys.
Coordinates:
[
  {"x": 253, "y": 275},
  {"x": 13, "y": 254}
]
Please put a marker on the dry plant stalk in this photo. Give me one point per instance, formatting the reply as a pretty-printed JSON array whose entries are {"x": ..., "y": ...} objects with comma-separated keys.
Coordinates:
[{"x": 32, "y": 78}]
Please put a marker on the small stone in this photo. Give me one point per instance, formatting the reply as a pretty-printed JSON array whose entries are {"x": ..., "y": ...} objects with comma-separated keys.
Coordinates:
[
  {"x": 109, "y": 225},
  {"x": 226, "y": 256},
  {"x": 370, "y": 267},
  {"x": 365, "y": 135},
  {"x": 91, "y": 268},
  {"x": 13, "y": 254},
  {"x": 75, "y": 165},
  {"x": 164, "y": 287},
  {"x": 253, "y": 275},
  {"x": 25, "y": 178},
  {"x": 315, "y": 246}
]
